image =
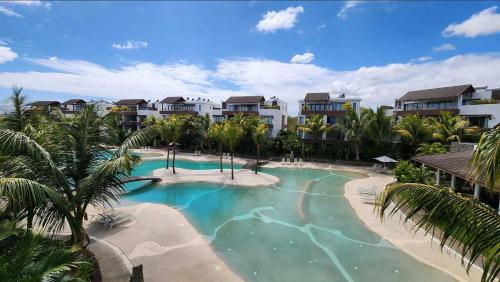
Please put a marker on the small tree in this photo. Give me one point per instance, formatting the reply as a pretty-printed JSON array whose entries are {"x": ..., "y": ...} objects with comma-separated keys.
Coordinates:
[
  {"x": 259, "y": 134},
  {"x": 232, "y": 133},
  {"x": 216, "y": 132}
]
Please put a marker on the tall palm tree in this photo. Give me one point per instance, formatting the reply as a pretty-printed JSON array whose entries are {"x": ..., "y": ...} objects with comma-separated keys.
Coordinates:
[
  {"x": 378, "y": 126},
  {"x": 451, "y": 128},
  {"x": 353, "y": 126},
  {"x": 173, "y": 125},
  {"x": 216, "y": 132},
  {"x": 232, "y": 132},
  {"x": 259, "y": 134},
  {"x": 414, "y": 130},
  {"x": 65, "y": 175},
  {"x": 18, "y": 119},
  {"x": 315, "y": 127}
]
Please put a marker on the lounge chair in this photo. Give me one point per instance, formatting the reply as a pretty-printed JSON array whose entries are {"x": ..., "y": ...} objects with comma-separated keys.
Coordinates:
[
  {"x": 113, "y": 218},
  {"x": 368, "y": 195},
  {"x": 367, "y": 190},
  {"x": 301, "y": 162},
  {"x": 296, "y": 162},
  {"x": 282, "y": 161}
]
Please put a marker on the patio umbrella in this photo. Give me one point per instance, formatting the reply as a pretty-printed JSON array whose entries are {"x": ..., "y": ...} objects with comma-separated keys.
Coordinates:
[{"x": 385, "y": 159}]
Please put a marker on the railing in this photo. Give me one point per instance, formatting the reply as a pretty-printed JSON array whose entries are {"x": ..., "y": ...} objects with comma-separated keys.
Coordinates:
[
  {"x": 147, "y": 108},
  {"x": 426, "y": 112}
]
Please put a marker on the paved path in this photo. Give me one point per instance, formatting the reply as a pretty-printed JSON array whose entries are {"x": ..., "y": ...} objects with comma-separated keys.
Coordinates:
[{"x": 113, "y": 264}]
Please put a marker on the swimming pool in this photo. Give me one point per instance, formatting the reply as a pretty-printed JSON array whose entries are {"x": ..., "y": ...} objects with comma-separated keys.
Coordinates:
[{"x": 302, "y": 229}]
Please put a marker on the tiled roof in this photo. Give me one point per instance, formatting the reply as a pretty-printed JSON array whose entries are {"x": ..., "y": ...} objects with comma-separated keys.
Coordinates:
[
  {"x": 172, "y": 100},
  {"x": 320, "y": 96},
  {"x": 245, "y": 99},
  {"x": 457, "y": 163},
  {"x": 437, "y": 93},
  {"x": 74, "y": 101},
  {"x": 45, "y": 103},
  {"x": 126, "y": 102}
]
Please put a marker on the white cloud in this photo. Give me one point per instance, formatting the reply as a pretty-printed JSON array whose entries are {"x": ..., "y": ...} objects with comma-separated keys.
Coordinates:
[
  {"x": 303, "y": 59},
  {"x": 444, "y": 47},
  {"x": 276, "y": 20},
  {"x": 321, "y": 26},
  {"x": 9, "y": 12},
  {"x": 33, "y": 3},
  {"x": 6, "y": 54},
  {"x": 376, "y": 85},
  {"x": 348, "y": 5},
  {"x": 421, "y": 59},
  {"x": 130, "y": 44},
  {"x": 485, "y": 22}
]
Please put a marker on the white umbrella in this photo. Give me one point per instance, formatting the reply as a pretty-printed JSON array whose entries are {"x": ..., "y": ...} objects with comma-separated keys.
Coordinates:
[{"x": 385, "y": 159}]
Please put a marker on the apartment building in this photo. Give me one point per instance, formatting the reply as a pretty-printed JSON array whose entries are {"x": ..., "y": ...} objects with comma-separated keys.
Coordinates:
[
  {"x": 190, "y": 106},
  {"x": 479, "y": 105},
  {"x": 330, "y": 108},
  {"x": 274, "y": 111},
  {"x": 44, "y": 106},
  {"x": 73, "y": 106},
  {"x": 134, "y": 112}
]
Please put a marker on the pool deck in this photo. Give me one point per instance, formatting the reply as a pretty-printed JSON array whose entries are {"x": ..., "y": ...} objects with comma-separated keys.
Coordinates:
[{"x": 177, "y": 251}]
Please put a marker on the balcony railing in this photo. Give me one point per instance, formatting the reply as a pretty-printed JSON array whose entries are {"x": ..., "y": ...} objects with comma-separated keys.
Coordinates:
[
  {"x": 426, "y": 112},
  {"x": 180, "y": 112}
]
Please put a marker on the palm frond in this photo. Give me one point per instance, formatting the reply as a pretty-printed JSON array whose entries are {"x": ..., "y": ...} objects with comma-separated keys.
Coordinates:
[{"x": 462, "y": 222}]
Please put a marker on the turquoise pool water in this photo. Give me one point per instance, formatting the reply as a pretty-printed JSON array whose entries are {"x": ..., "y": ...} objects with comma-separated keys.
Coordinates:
[{"x": 302, "y": 229}]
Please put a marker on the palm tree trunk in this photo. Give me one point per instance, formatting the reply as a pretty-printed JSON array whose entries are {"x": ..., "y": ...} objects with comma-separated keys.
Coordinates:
[
  {"x": 232, "y": 168},
  {"x": 356, "y": 149},
  {"x": 173, "y": 160},
  {"x": 220, "y": 157},
  {"x": 258, "y": 156},
  {"x": 29, "y": 218},
  {"x": 168, "y": 155}
]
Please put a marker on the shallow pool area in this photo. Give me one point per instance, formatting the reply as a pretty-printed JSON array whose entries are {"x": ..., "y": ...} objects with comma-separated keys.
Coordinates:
[{"x": 302, "y": 229}]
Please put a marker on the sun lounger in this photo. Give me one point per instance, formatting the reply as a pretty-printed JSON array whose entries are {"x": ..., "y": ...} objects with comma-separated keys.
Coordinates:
[
  {"x": 369, "y": 198},
  {"x": 282, "y": 161},
  {"x": 367, "y": 190},
  {"x": 110, "y": 219},
  {"x": 301, "y": 162},
  {"x": 296, "y": 162}
]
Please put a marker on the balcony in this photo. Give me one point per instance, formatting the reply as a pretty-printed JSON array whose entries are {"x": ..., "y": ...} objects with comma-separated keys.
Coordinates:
[
  {"x": 425, "y": 112},
  {"x": 325, "y": 112},
  {"x": 232, "y": 113},
  {"x": 180, "y": 112}
]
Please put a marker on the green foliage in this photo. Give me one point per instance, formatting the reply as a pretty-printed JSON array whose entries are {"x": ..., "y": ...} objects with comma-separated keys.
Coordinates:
[
  {"x": 378, "y": 126},
  {"x": 463, "y": 222},
  {"x": 286, "y": 141},
  {"x": 431, "y": 149},
  {"x": 353, "y": 127},
  {"x": 414, "y": 130},
  {"x": 486, "y": 159},
  {"x": 26, "y": 256},
  {"x": 406, "y": 172},
  {"x": 484, "y": 101},
  {"x": 451, "y": 128}
]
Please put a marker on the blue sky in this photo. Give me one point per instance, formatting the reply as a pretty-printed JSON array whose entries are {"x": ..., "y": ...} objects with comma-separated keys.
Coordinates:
[{"x": 375, "y": 50}]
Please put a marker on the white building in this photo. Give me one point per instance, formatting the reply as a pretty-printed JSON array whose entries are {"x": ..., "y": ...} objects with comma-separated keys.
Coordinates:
[
  {"x": 274, "y": 111},
  {"x": 480, "y": 105},
  {"x": 179, "y": 105},
  {"x": 331, "y": 109},
  {"x": 134, "y": 112}
]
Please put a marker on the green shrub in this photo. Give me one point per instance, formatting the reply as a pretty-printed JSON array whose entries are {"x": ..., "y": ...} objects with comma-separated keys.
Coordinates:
[
  {"x": 431, "y": 149},
  {"x": 406, "y": 172}
]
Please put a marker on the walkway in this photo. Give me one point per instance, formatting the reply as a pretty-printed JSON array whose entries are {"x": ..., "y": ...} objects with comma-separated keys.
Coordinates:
[{"x": 113, "y": 264}]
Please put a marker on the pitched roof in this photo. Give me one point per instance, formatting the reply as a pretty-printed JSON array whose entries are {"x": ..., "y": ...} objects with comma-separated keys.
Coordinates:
[
  {"x": 74, "y": 101},
  {"x": 457, "y": 163},
  {"x": 437, "y": 93},
  {"x": 173, "y": 100},
  {"x": 126, "y": 102},
  {"x": 45, "y": 103},
  {"x": 245, "y": 99},
  {"x": 320, "y": 96}
]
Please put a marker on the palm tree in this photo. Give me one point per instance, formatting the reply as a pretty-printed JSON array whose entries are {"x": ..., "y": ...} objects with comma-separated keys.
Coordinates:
[
  {"x": 486, "y": 159},
  {"x": 414, "y": 130},
  {"x": 463, "y": 222},
  {"x": 259, "y": 134},
  {"x": 26, "y": 256},
  {"x": 173, "y": 125},
  {"x": 18, "y": 119},
  {"x": 232, "y": 132},
  {"x": 315, "y": 127},
  {"x": 216, "y": 132},
  {"x": 451, "y": 128},
  {"x": 61, "y": 177},
  {"x": 378, "y": 126},
  {"x": 354, "y": 129}
]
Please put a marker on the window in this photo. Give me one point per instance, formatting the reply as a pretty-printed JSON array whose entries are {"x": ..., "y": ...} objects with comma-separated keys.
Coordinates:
[
  {"x": 330, "y": 120},
  {"x": 267, "y": 119}
]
